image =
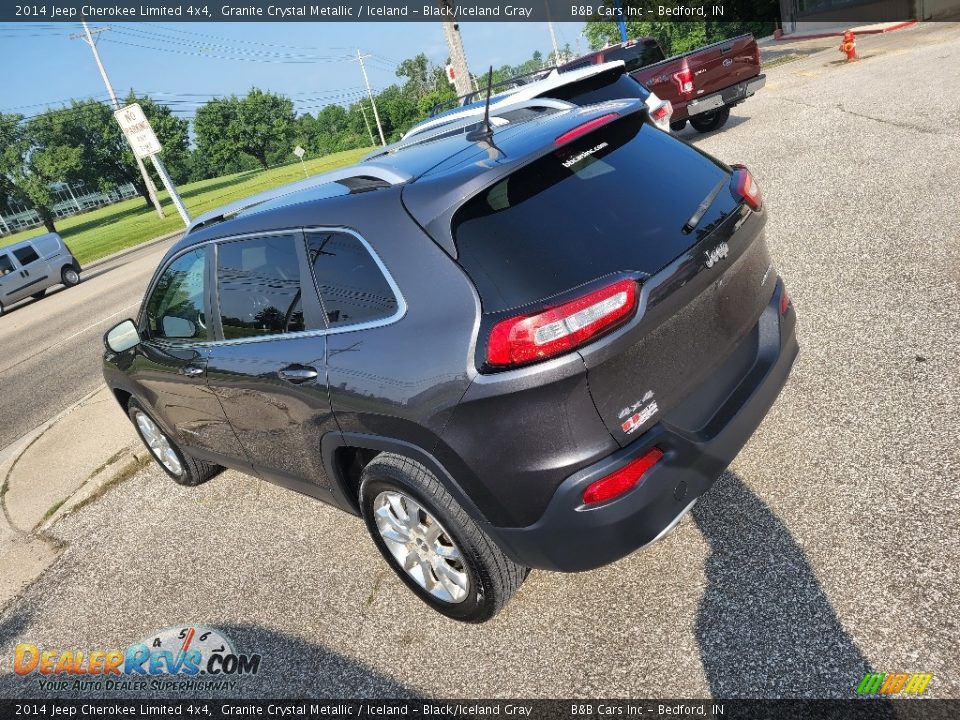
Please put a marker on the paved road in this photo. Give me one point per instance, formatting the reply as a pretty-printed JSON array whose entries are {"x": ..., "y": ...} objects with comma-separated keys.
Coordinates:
[
  {"x": 831, "y": 547},
  {"x": 52, "y": 347}
]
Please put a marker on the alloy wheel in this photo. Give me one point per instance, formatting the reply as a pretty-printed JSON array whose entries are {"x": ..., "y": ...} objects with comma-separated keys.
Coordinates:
[
  {"x": 421, "y": 546},
  {"x": 158, "y": 443}
]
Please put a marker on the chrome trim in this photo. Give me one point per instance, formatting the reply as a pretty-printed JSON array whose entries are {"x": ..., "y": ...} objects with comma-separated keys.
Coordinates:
[{"x": 401, "y": 302}]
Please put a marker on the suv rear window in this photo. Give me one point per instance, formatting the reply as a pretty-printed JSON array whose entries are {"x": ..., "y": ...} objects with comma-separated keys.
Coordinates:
[{"x": 603, "y": 204}]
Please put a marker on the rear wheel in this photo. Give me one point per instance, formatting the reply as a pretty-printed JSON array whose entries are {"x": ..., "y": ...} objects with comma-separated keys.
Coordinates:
[
  {"x": 709, "y": 121},
  {"x": 184, "y": 469},
  {"x": 70, "y": 276},
  {"x": 432, "y": 544},
  {"x": 38, "y": 295},
  {"x": 1, "y": 309}
]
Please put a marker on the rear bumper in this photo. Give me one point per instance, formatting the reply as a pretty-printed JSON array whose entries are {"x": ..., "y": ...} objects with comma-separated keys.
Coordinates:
[
  {"x": 728, "y": 96},
  {"x": 570, "y": 537}
]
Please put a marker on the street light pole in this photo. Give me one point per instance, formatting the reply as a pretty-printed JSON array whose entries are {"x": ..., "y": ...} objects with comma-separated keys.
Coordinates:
[{"x": 87, "y": 37}]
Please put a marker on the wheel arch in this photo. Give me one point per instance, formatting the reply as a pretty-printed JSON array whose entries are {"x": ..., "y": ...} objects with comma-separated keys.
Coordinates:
[{"x": 346, "y": 454}]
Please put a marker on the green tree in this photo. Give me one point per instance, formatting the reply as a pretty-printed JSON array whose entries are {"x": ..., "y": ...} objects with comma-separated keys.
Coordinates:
[
  {"x": 107, "y": 159},
  {"x": 30, "y": 164},
  {"x": 261, "y": 125}
]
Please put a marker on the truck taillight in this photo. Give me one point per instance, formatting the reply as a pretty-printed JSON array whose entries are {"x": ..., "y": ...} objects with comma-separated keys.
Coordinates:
[
  {"x": 623, "y": 480},
  {"x": 529, "y": 338},
  {"x": 743, "y": 185},
  {"x": 684, "y": 81}
]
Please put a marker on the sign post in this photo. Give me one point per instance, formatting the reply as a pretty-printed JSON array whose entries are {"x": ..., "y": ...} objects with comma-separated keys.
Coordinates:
[
  {"x": 300, "y": 152},
  {"x": 144, "y": 142}
]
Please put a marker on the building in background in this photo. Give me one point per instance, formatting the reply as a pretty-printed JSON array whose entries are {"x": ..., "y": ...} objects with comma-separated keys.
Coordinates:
[
  {"x": 807, "y": 16},
  {"x": 70, "y": 200}
]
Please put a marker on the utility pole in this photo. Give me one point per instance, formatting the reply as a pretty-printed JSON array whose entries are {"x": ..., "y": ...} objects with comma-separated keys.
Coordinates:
[
  {"x": 87, "y": 37},
  {"x": 376, "y": 115},
  {"x": 458, "y": 58},
  {"x": 556, "y": 48},
  {"x": 367, "y": 123}
]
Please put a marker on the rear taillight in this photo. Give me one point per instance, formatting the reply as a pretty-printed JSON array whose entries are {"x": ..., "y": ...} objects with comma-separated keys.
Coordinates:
[
  {"x": 784, "y": 301},
  {"x": 580, "y": 130},
  {"x": 684, "y": 81},
  {"x": 661, "y": 115},
  {"x": 623, "y": 480},
  {"x": 743, "y": 185},
  {"x": 528, "y": 338}
]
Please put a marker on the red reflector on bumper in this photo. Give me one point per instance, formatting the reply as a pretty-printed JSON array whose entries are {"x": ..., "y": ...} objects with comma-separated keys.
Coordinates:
[{"x": 624, "y": 479}]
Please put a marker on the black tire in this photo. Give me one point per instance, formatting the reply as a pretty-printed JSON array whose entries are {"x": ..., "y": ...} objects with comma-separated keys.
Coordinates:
[
  {"x": 1, "y": 309},
  {"x": 493, "y": 577},
  {"x": 38, "y": 295},
  {"x": 192, "y": 471},
  {"x": 678, "y": 125},
  {"x": 710, "y": 121},
  {"x": 69, "y": 276}
]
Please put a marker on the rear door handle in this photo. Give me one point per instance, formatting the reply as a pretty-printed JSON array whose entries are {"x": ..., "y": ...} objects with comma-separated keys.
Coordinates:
[
  {"x": 298, "y": 373},
  {"x": 192, "y": 370}
]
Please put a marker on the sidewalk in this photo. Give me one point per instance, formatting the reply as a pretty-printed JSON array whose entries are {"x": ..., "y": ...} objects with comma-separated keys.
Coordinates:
[{"x": 65, "y": 464}]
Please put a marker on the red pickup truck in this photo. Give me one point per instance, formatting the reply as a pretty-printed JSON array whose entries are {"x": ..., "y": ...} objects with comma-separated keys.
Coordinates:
[{"x": 702, "y": 84}]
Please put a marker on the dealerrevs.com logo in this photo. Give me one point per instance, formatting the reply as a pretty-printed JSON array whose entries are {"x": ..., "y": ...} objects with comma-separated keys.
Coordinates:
[{"x": 178, "y": 658}]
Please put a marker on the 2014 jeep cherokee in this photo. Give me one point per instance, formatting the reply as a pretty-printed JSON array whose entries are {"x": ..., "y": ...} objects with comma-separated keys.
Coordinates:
[{"x": 533, "y": 347}]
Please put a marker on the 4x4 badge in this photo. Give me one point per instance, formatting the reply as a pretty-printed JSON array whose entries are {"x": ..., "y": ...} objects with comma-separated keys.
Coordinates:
[{"x": 717, "y": 254}]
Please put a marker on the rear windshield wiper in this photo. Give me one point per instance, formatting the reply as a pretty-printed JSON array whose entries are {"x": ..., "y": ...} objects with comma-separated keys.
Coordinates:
[{"x": 704, "y": 206}]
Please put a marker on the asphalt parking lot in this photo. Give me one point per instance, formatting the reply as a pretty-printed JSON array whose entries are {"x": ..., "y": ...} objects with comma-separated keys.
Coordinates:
[{"x": 830, "y": 548}]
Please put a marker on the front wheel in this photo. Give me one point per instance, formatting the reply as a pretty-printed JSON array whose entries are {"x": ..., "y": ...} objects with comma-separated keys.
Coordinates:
[
  {"x": 709, "y": 121},
  {"x": 184, "y": 469},
  {"x": 70, "y": 276},
  {"x": 432, "y": 544}
]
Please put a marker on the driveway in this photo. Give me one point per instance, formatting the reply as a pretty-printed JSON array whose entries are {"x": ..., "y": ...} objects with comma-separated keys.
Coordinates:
[{"x": 830, "y": 548}]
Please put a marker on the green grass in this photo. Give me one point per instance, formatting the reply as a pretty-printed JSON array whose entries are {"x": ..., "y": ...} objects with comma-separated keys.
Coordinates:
[{"x": 100, "y": 232}]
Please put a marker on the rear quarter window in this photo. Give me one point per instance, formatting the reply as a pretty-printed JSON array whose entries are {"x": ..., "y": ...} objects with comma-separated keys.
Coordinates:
[{"x": 353, "y": 288}]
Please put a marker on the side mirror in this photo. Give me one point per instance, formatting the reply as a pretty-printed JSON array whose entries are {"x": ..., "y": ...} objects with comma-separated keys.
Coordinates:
[
  {"x": 122, "y": 337},
  {"x": 177, "y": 327}
]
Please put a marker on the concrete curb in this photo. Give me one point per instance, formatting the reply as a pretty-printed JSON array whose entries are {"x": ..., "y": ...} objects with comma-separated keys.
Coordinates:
[
  {"x": 123, "y": 465},
  {"x": 818, "y": 36}
]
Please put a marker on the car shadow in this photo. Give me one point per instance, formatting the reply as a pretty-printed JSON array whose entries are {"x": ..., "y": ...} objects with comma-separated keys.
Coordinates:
[
  {"x": 765, "y": 627},
  {"x": 691, "y": 135},
  {"x": 289, "y": 667}
]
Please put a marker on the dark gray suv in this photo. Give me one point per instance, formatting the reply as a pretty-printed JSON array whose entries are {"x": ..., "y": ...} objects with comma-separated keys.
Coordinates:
[{"x": 531, "y": 344}]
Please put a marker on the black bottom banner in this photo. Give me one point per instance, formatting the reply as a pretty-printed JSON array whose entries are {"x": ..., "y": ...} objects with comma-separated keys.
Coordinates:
[{"x": 867, "y": 709}]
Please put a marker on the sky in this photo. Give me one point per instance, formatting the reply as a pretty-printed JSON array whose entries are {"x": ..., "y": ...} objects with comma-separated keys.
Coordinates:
[{"x": 185, "y": 64}]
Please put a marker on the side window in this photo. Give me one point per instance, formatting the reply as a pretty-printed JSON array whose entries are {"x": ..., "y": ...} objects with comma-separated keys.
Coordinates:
[
  {"x": 26, "y": 255},
  {"x": 175, "y": 309},
  {"x": 352, "y": 287},
  {"x": 258, "y": 283},
  {"x": 6, "y": 265}
]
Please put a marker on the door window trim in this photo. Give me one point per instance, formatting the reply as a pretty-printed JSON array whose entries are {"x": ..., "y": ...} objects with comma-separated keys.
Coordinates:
[{"x": 322, "y": 332}]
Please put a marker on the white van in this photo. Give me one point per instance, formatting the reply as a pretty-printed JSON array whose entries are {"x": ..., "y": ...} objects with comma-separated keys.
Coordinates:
[{"x": 29, "y": 267}]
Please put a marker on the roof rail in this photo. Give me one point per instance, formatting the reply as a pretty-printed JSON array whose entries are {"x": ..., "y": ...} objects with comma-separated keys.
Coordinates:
[{"x": 388, "y": 175}]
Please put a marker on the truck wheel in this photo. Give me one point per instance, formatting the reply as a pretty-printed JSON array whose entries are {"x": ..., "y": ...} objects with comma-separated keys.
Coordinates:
[
  {"x": 184, "y": 469},
  {"x": 432, "y": 544},
  {"x": 709, "y": 121},
  {"x": 70, "y": 276},
  {"x": 678, "y": 125}
]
